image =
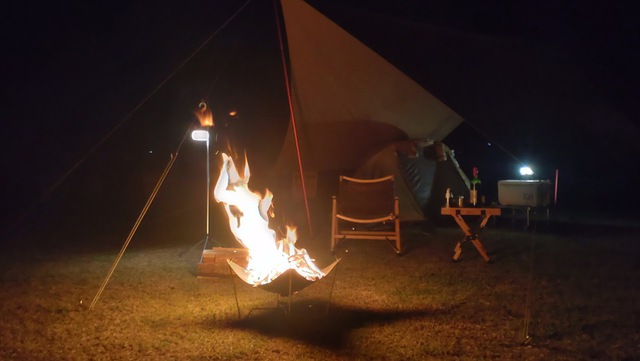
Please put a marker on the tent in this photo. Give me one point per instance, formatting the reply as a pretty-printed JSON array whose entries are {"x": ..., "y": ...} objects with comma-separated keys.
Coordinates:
[
  {"x": 348, "y": 102},
  {"x": 422, "y": 172}
]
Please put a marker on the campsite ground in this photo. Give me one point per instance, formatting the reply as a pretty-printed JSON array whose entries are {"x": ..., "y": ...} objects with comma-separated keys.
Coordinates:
[{"x": 571, "y": 287}]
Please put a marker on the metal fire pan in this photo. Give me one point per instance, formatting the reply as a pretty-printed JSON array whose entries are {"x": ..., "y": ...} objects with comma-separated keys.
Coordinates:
[{"x": 286, "y": 284}]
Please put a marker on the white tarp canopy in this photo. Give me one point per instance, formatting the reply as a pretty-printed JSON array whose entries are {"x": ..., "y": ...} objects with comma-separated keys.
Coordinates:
[{"x": 348, "y": 101}]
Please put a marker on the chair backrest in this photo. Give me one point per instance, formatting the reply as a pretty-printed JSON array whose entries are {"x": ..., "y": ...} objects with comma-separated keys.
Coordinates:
[{"x": 366, "y": 198}]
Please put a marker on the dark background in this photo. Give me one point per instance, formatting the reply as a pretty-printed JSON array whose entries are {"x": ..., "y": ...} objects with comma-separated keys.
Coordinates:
[{"x": 96, "y": 96}]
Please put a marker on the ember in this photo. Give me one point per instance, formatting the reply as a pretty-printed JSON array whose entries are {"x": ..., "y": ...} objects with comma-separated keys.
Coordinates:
[{"x": 248, "y": 214}]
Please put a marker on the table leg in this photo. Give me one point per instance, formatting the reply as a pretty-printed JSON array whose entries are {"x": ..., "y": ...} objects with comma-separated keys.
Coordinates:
[
  {"x": 478, "y": 245},
  {"x": 471, "y": 236},
  {"x": 467, "y": 231},
  {"x": 476, "y": 240},
  {"x": 457, "y": 251}
]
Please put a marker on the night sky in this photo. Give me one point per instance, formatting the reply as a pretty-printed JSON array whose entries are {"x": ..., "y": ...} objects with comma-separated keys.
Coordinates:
[{"x": 74, "y": 71}]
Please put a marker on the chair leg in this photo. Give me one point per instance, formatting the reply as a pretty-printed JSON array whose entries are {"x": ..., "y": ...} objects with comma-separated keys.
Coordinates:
[
  {"x": 397, "y": 226},
  {"x": 398, "y": 240},
  {"x": 334, "y": 239},
  {"x": 334, "y": 223}
]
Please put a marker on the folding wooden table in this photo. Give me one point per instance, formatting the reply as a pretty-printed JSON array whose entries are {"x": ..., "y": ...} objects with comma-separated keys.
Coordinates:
[{"x": 471, "y": 233}]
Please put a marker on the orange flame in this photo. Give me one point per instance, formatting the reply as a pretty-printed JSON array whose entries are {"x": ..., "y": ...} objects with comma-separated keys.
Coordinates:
[
  {"x": 248, "y": 215},
  {"x": 204, "y": 114}
]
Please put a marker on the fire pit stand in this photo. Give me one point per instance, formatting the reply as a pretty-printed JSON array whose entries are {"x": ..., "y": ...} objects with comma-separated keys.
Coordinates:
[{"x": 286, "y": 285}]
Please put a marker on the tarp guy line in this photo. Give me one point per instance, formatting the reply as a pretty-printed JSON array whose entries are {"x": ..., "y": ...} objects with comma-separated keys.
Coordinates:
[
  {"x": 140, "y": 217},
  {"x": 126, "y": 117}
]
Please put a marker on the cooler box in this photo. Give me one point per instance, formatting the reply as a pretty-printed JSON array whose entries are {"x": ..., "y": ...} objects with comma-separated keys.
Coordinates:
[{"x": 531, "y": 193}]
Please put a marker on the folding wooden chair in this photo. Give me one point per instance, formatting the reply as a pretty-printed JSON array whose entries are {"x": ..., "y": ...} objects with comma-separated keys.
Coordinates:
[{"x": 366, "y": 209}]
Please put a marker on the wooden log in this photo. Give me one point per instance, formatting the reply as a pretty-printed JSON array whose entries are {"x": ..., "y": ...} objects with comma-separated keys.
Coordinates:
[{"x": 214, "y": 260}]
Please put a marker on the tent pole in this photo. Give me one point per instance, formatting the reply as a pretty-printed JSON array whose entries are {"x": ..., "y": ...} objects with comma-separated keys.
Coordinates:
[{"x": 293, "y": 119}]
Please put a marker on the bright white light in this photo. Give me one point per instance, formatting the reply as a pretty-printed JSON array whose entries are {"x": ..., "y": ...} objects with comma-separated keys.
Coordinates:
[
  {"x": 200, "y": 135},
  {"x": 524, "y": 170}
]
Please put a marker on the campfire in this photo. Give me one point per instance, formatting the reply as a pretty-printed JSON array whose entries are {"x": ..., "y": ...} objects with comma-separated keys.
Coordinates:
[{"x": 269, "y": 258}]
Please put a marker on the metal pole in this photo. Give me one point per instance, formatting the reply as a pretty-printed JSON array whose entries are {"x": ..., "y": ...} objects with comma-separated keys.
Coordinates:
[
  {"x": 208, "y": 186},
  {"x": 206, "y": 238}
]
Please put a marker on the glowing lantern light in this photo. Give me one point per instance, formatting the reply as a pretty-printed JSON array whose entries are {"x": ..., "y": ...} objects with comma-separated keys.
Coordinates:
[
  {"x": 248, "y": 213},
  {"x": 200, "y": 135},
  {"x": 526, "y": 171}
]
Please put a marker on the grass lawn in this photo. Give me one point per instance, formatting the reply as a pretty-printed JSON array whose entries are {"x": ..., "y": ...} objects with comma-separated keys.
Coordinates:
[{"x": 573, "y": 292}]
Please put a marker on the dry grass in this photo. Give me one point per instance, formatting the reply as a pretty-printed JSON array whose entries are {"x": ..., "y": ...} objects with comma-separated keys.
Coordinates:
[{"x": 584, "y": 304}]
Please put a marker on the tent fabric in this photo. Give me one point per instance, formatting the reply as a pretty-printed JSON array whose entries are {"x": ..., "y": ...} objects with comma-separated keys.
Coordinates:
[
  {"x": 348, "y": 101},
  {"x": 422, "y": 173}
]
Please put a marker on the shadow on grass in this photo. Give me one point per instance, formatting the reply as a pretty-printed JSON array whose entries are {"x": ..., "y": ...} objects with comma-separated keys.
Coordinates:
[{"x": 313, "y": 323}]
